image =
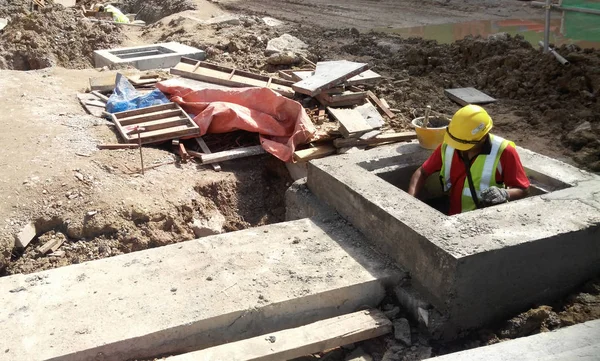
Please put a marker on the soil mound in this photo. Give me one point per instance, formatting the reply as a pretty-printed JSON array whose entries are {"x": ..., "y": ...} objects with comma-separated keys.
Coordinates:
[
  {"x": 153, "y": 10},
  {"x": 52, "y": 36}
]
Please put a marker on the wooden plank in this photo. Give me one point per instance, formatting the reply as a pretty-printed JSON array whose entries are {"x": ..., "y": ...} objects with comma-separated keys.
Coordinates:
[
  {"x": 370, "y": 134},
  {"x": 342, "y": 99},
  {"x": 319, "y": 151},
  {"x": 285, "y": 75},
  {"x": 99, "y": 95},
  {"x": 152, "y": 109},
  {"x": 163, "y": 123},
  {"x": 351, "y": 122},
  {"x": 117, "y": 146},
  {"x": 366, "y": 77},
  {"x": 232, "y": 154},
  {"x": 380, "y": 105},
  {"x": 327, "y": 75},
  {"x": 465, "y": 96},
  {"x": 371, "y": 115},
  {"x": 222, "y": 75},
  {"x": 167, "y": 134},
  {"x": 380, "y": 139},
  {"x": 302, "y": 75},
  {"x": 206, "y": 150},
  {"x": 162, "y": 114},
  {"x": 87, "y": 101},
  {"x": 300, "y": 341},
  {"x": 52, "y": 245}
]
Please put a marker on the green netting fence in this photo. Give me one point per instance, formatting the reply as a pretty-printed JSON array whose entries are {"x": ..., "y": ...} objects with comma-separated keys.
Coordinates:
[{"x": 580, "y": 26}]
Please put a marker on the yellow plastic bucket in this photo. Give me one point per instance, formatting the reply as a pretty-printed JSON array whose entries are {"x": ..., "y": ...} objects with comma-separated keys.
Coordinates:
[{"x": 430, "y": 138}]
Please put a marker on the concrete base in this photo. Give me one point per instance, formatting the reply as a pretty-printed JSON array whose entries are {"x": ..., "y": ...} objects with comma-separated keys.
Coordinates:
[
  {"x": 481, "y": 266},
  {"x": 580, "y": 342},
  {"x": 192, "y": 295},
  {"x": 145, "y": 57}
]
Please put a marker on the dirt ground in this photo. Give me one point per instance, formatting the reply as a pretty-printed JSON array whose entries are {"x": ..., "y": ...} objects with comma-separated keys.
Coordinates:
[{"x": 54, "y": 176}]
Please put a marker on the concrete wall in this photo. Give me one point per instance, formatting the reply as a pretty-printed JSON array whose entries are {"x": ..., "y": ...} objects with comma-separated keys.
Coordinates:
[{"x": 479, "y": 266}]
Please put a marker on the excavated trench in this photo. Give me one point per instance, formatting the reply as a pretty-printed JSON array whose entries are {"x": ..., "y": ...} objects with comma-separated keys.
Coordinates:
[{"x": 253, "y": 197}]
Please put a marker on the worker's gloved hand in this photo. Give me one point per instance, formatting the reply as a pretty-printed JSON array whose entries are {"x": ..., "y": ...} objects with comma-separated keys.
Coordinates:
[{"x": 493, "y": 196}]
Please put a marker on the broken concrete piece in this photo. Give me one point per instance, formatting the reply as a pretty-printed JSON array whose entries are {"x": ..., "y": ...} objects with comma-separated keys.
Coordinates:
[
  {"x": 286, "y": 43},
  {"x": 3, "y": 23},
  {"x": 287, "y": 58},
  {"x": 224, "y": 19},
  {"x": 209, "y": 227},
  {"x": 402, "y": 331},
  {"x": 272, "y": 21},
  {"x": 359, "y": 355},
  {"x": 26, "y": 235}
]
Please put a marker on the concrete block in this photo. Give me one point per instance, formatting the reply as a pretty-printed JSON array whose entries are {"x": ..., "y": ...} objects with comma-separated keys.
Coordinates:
[
  {"x": 402, "y": 331},
  {"x": 480, "y": 266},
  {"x": 579, "y": 342},
  {"x": 192, "y": 295},
  {"x": 26, "y": 235},
  {"x": 145, "y": 57}
]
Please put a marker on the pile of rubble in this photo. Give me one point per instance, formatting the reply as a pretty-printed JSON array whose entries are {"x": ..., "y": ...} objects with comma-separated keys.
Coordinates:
[{"x": 52, "y": 36}]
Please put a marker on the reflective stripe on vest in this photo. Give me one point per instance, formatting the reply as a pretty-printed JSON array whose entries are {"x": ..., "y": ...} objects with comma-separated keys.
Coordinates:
[{"x": 483, "y": 170}]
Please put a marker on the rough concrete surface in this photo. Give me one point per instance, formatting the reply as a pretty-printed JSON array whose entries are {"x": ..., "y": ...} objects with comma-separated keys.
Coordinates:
[
  {"x": 170, "y": 58},
  {"x": 191, "y": 295},
  {"x": 478, "y": 266},
  {"x": 580, "y": 342}
]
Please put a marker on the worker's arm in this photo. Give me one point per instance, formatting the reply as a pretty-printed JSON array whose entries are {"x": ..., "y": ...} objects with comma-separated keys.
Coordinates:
[
  {"x": 517, "y": 193},
  {"x": 431, "y": 165},
  {"x": 417, "y": 182},
  {"x": 515, "y": 180}
]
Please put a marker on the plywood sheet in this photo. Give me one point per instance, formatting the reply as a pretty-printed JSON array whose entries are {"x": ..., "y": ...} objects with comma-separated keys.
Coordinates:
[
  {"x": 329, "y": 74},
  {"x": 464, "y": 96}
]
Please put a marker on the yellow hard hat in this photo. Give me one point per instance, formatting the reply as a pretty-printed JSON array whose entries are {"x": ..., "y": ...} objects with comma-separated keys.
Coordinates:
[{"x": 468, "y": 126}]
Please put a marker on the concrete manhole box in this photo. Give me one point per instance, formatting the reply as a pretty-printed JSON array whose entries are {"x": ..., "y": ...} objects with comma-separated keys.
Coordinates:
[
  {"x": 147, "y": 57},
  {"x": 480, "y": 266}
]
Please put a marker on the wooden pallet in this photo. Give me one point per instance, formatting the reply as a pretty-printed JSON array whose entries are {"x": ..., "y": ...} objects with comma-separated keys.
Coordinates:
[
  {"x": 160, "y": 122},
  {"x": 212, "y": 73}
]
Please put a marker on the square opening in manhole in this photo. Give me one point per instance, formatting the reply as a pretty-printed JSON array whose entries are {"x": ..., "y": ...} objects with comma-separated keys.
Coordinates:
[
  {"x": 433, "y": 196},
  {"x": 141, "y": 52}
]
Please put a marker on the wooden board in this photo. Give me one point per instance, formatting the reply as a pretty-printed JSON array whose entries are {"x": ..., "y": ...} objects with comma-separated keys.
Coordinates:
[
  {"x": 352, "y": 123},
  {"x": 301, "y": 75},
  {"x": 380, "y": 139},
  {"x": 371, "y": 115},
  {"x": 380, "y": 105},
  {"x": 232, "y": 154},
  {"x": 92, "y": 104},
  {"x": 329, "y": 74},
  {"x": 366, "y": 77},
  {"x": 465, "y": 96},
  {"x": 316, "y": 152},
  {"x": 161, "y": 122},
  {"x": 301, "y": 341},
  {"x": 343, "y": 99},
  {"x": 217, "y": 74},
  {"x": 205, "y": 149}
]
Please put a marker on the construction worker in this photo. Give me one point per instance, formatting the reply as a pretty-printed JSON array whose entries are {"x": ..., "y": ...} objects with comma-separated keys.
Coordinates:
[
  {"x": 117, "y": 15},
  {"x": 477, "y": 168}
]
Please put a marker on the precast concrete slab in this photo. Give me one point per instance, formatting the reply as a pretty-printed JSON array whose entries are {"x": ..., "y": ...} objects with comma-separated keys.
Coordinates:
[
  {"x": 145, "y": 57},
  {"x": 479, "y": 266},
  {"x": 192, "y": 295},
  {"x": 580, "y": 342}
]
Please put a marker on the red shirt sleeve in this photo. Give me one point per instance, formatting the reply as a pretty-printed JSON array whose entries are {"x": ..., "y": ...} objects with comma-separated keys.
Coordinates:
[
  {"x": 513, "y": 173},
  {"x": 434, "y": 162}
]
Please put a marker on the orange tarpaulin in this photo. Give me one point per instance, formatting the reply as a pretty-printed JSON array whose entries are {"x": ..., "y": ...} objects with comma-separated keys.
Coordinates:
[{"x": 281, "y": 122}]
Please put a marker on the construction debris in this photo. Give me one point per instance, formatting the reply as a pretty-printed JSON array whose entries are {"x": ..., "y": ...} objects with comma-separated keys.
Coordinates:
[
  {"x": 229, "y": 154},
  {"x": 116, "y": 146},
  {"x": 314, "y": 152},
  {"x": 26, "y": 235},
  {"x": 53, "y": 244},
  {"x": 352, "y": 123},
  {"x": 379, "y": 139},
  {"x": 327, "y": 75}
]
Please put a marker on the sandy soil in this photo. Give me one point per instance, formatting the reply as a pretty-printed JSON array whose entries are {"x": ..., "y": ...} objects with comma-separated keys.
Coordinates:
[{"x": 365, "y": 15}]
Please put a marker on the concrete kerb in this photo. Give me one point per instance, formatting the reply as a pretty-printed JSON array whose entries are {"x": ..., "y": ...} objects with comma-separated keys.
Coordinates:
[
  {"x": 479, "y": 266},
  {"x": 192, "y": 295}
]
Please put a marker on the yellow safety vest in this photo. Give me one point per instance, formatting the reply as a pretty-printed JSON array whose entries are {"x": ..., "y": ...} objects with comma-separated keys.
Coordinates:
[{"x": 483, "y": 170}]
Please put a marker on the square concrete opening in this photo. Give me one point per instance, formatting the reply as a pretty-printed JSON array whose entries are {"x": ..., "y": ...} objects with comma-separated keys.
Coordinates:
[
  {"x": 475, "y": 267},
  {"x": 139, "y": 52},
  {"x": 399, "y": 175}
]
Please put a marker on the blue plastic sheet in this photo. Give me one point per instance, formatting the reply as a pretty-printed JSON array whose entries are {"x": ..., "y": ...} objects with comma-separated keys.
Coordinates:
[{"x": 125, "y": 97}]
